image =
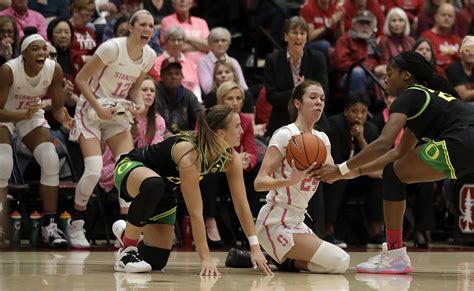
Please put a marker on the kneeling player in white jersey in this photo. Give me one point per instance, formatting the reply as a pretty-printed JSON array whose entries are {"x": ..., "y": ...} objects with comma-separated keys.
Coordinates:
[
  {"x": 24, "y": 82},
  {"x": 280, "y": 227},
  {"x": 115, "y": 72}
]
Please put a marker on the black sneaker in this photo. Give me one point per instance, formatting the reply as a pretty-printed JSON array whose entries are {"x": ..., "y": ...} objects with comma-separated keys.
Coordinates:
[
  {"x": 330, "y": 238},
  {"x": 54, "y": 237},
  {"x": 238, "y": 259},
  {"x": 376, "y": 241}
]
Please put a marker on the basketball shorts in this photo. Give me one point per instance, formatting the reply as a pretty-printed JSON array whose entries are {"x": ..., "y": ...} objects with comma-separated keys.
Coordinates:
[
  {"x": 452, "y": 154},
  {"x": 275, "y": 227},
  {"x": 23, "y": 127},
  {"x": 165, "y": 211},
  {"x": 100, "y": 129}
]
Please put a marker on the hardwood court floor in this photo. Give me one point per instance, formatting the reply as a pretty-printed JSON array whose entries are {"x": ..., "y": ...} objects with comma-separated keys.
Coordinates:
[{"x": 84, "y": 270}]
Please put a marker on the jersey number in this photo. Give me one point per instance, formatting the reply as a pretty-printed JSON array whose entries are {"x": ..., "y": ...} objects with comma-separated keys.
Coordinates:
[
  {"x": 26, "y": 104},
  {"x": 121, "y": 90},
  {"x": 311, "y": 181},
  {"x": 443, "y": 95}
]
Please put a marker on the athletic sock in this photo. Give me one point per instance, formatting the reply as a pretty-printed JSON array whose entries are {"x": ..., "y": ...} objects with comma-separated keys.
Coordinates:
[
  {"x": 129, "y": 242},
  {"x": 77, "y": 214},
  {"x": 394, "y": 239}
]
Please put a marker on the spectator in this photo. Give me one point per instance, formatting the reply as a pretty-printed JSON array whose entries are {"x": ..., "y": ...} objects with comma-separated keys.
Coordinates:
[
  {"x": 178, "y": 106},
  {"x": 175, "y": 39},
  {"x": 121, "y": 27},
  {"x": 464, "y": 19},
  {"x": 60, "y": 34},
  {"x": 445, "y": 44},
  {"x": 411, "y": 7},
  {"x": 396, "y": 37},
  {"x": 50, "y": 9},
  {"x": 219, "y": 42},
  {"x": 460, "y": 73},
  {"x": 83, "y": 42},
  {"x": 426, "y": 18},
  {"x": 158, "y": 9},
  {"x": 358, "y": 46},
  {"x": 25, "y": 17},
  {"x": 354, "y": 6},
  {"x": 349, "y": 133},
  {"x": 325, "y": 22},
  {"x": 286, "y": 68},
  {"x": 196, "y": 29},
  {"x": 127, "y": 7},
  {"x": 8, "y": 39},
  {"x": 424, "y": 48},
  {"x": 214, "y": 185}
]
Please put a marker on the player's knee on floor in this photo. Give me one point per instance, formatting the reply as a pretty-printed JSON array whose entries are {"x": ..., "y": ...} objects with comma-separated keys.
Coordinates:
[
  {"x": 143, "y": 206},
  {"x": 6, "y": 164},
  {"x": 46, "y": 156},
  {"x": 329, "y": 259},
  {"x": 393, "y": 188},
  {"x": 156, "y": 257}
]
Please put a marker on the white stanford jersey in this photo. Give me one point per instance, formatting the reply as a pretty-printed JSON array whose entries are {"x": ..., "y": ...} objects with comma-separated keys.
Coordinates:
[
  {"x": 119, "y": 72},
  {"x": 298, "y": 195},
  {"x": 25, "y": 90}
]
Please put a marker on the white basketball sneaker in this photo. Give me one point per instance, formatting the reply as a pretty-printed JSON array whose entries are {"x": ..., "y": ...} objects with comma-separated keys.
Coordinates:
[
  {"x": 76, "y": 234},
  {"x": 118, "y": 228},
  {"x": 129, "y": 261},
  {"x": 388, "y": 262}
]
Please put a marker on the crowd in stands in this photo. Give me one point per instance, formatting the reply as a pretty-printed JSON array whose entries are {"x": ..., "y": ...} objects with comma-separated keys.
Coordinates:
[{"x": 202, "y": 50}]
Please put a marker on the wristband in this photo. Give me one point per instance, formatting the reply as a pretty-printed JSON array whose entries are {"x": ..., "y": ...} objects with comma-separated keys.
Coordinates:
[
  {"x": 343, "y": 168},
  {"x": 253, "y": 240}
]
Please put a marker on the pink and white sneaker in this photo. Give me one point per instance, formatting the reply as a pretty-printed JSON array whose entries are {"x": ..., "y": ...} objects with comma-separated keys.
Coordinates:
[{"x": 388, "y": 262}]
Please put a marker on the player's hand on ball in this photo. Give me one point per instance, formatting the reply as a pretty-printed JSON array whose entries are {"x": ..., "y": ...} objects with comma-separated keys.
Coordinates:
[
  {"x": 298, "y": 175},
  {"x": 259, "y": 260},
  {"x": 209, "y": 268},
  {"x": 328, "y": 173}
]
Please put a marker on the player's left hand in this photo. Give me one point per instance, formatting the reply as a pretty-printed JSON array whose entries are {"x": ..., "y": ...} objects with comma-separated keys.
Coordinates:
[
  {"x": 63, "y": 117},
  {"x": 259, "y": 260},
  {"x": 136, "y": 109}
]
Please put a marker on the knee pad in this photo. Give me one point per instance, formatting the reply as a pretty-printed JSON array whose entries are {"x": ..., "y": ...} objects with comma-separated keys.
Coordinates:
[
  {"x": 88, "y": 181},
  {"x": 143, "y": 206},
  {"x": 156, "y": 257},
  {"x": 393, "y": 188},
  {"x": 6, "y": 162},
  {"x": 329, "y": 258},
  {"x": 46, "y": 156}
]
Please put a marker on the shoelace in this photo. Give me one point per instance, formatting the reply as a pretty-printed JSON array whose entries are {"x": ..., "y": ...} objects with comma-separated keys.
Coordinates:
[
  {"x": 134, "y": 255},
  {"x": 56, "y": 233}
]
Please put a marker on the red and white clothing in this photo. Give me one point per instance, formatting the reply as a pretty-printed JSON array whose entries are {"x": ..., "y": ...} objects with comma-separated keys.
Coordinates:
[
  {"x": 25, "y": 91},
  {"x": 113, "y": 81},
  {"x": 445, "y": 47},
  {"x": 314, "y": 14},
  {"x": 284, "y": 212},
  {"x": 83, "y": 45}
]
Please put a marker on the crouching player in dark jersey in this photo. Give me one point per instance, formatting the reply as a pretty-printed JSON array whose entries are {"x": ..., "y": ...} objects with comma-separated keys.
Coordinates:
[
  {"x": 427, "y": 108},
  {"x": 147, "y": 177}
]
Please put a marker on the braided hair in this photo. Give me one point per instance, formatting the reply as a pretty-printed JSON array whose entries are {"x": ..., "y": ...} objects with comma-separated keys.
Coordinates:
[{"x": 422, "y": 71}]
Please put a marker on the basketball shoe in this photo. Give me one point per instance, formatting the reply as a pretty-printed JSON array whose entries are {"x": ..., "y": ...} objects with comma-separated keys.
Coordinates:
[
  {"x": 129, "y": 261},
  {"x": 53, "y": 236},
  {"x": 76, "y": 234},
  {"x": 388, "y": 262}
]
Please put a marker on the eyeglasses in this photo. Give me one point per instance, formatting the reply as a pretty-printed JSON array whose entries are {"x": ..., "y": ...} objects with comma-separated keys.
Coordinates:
[{"x": 7, "y": 31}]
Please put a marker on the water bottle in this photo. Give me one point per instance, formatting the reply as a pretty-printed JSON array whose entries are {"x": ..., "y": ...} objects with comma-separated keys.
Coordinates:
[
  {"x": 187, "y": 232},
  {"x": 15, "y": 233},
  {"x": 64, "y": 219},
  {"x": 35, "y": 231}
]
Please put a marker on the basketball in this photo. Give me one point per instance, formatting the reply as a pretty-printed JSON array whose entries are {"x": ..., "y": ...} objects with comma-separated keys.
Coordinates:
[{"x": 305, "y": 149}]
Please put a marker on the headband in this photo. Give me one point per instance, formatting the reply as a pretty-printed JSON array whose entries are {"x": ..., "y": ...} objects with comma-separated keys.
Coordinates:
[
  {"x": 135, "y": 14},
  {"x": 29, "y": 39}
]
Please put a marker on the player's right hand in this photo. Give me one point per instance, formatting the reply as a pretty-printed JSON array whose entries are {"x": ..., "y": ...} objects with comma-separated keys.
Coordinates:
[
  {"x": 209, "y": 268},
  {"x": 298, "y": 175},
  {"x": 32, "y": 109},
  {"x": 105, "y": 113}
]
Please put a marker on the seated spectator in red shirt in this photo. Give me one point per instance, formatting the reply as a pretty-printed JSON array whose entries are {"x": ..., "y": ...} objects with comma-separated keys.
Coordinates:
[
  {"x": 464, "y": 19},
  {"x": 411, "y": 7},
  {"x": 445, "y": 44},
  {"x": 358, "y": 45},
  {"x": 426, "y": 18},
  {"x": 325, "y": 22},
  {"x": 83, "y": 43},
  {"x": 196, "y": 29},
  {"x": 461, "y": 73},
  {"x": 354, "y": 6},
  {"x": 25, "y": 17},
  {"x": 424, "y": 48},
  {"x": 396, "y": 37}
]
